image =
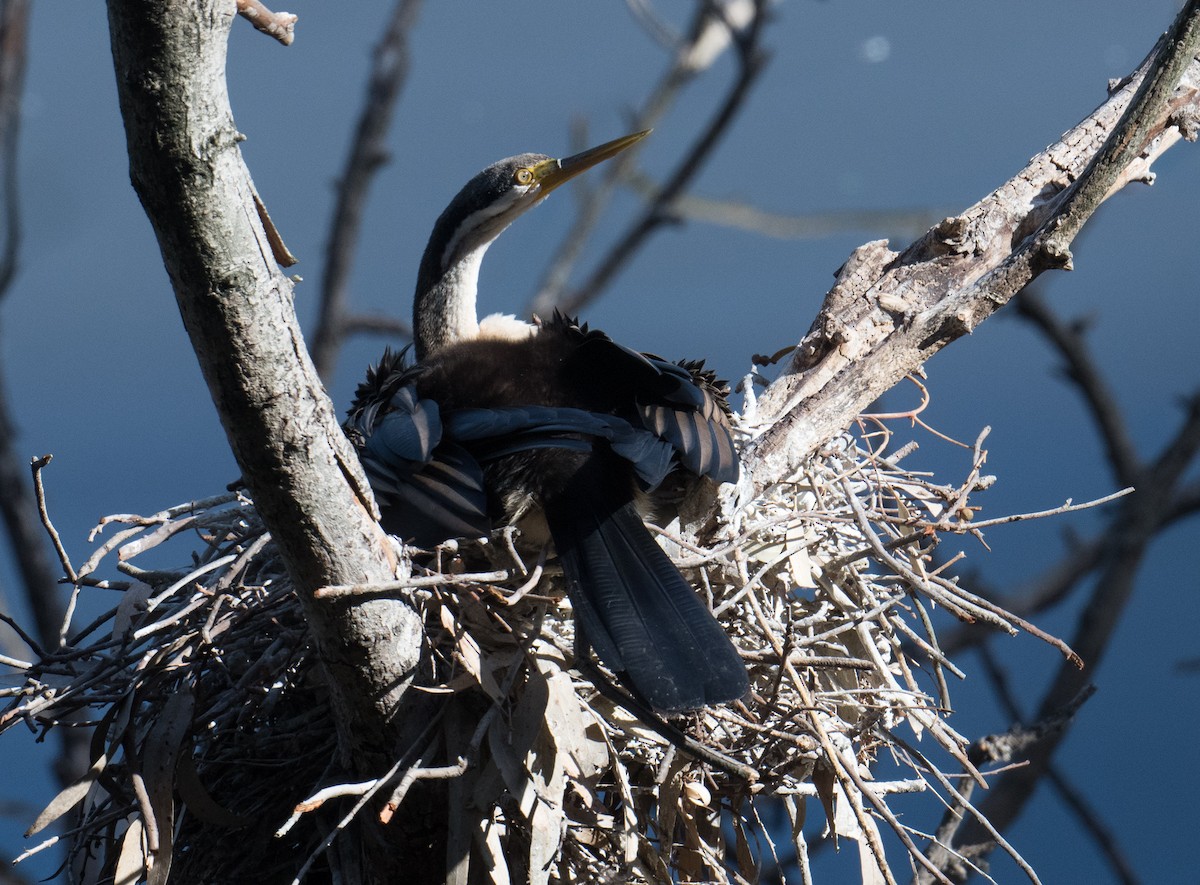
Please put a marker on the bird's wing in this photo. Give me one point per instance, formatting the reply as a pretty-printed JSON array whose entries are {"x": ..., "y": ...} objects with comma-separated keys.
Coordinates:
[
  {"x": 681, "y": 403},
  {"x": 689, "y": 411},
  {"x": 495, "y": 433},
  {"x": 428, "y": 488},
  {"x": 430, "y": 502}
]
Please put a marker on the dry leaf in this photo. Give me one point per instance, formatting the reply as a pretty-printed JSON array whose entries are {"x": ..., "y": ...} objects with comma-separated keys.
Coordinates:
[
  {"x": 160, "y": 753},
  {"x": 825, "y": 782},
  {"x": 133, "y": 602},
  {"x": 112, "y": 727},
  {"x": 131, "y": 862},
  {"x": 199, "y": 801}
]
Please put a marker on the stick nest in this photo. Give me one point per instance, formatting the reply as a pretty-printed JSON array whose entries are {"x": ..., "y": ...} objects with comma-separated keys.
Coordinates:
[{"x": 215, "y": 753}]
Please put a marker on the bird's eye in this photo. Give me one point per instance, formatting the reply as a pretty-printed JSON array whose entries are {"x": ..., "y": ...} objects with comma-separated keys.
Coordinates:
[{"x": 524, "y": 175}]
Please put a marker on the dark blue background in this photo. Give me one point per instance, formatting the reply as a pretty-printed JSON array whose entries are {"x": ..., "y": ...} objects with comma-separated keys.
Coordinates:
[{"x": 101, "y": 374}]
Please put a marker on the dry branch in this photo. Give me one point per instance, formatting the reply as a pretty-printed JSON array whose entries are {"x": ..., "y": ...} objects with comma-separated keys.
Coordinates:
[
  {"x": 737, "y": 26},
  {"x": 236, "y": 304},
  {"x": 280, "y": 25},
  {"x": 891, "y": 311}
]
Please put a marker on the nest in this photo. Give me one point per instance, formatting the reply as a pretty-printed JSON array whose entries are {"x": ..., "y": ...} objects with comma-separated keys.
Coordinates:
[{"x": 214, "y": 732}]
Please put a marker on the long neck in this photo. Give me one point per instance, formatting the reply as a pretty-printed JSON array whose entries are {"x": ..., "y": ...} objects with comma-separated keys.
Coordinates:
[{"x": 444, "y": 305}]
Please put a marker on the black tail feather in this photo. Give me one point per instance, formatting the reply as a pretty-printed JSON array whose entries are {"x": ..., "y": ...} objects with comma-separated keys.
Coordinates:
[{"x": 635, "y": 608}]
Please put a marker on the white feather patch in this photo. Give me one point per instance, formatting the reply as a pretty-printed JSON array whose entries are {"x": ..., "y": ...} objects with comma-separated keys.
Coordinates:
[{"x": 505, "y": 327}]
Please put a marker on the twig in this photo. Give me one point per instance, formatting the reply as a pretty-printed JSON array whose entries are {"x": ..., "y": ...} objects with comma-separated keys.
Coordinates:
[
  {"x": 954, "y": 810},
  {"x": 535, "y": 578},
  {"x": 319, "y": 798},
  {"x": 41, "y": 846},
  {"x": 280, "y": 25},
  {"x": 850, "y": 766},
  {"x": 375, "y": 324},
  {"x": 15, "y": 663},
  {"x": 660, "y": 726},
  {"x": 1106, "y": 839},
  {"x": 744, "y": 216},
  {"x": 752, "y": 60},
  {"x": 37, "y": 465},
  {"x": 414, "y": 774},
  {"x": 960, "y": 526},
  {"x": 595, "y": 200},
  {"x": 652, "y": 24},
  {"x": 25, "y": 637},
  {"x": 385, "y": 588}
]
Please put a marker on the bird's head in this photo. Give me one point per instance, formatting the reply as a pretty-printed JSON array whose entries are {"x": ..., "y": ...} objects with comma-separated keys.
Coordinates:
[
  {"x": 444, "y": 307},
  {"x": 502, "y": 192}
]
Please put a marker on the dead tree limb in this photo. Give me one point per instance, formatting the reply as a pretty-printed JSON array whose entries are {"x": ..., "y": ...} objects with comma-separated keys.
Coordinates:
[
  {"x": 236, "y": 304},
  {"x": 714, "y": 30},
  {"x": 891, "y": 311}
]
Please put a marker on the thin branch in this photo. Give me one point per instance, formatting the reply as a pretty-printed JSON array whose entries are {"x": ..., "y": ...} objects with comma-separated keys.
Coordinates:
[
  {"x": 751, "y": 61},
  {"x": 375, "y": 324},
  {"x": 655, "y": 27},
  {"x": 889, "y": 312},
  {"x": 594, "y": 200},
  {"x": 368, "y": 153},
  {"x": 1068, "y": 340},
  {"x": 1067, "y": 507},
  {"x": 37, "y": 465},
  {"x": 400, "y": 587},
  {"x": 280, "y": 25},
  {"x": 1104, "y": 837},
  {"x": 1178, "y": 454},
  {"x": 747, "y": 217}
]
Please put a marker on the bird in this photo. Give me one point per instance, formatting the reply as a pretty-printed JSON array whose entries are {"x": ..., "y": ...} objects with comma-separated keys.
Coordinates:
[{"x": 553, "y": 427}]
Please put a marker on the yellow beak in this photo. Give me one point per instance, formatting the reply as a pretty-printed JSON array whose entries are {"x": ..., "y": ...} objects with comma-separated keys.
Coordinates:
[{"x": 552, "y": 173}]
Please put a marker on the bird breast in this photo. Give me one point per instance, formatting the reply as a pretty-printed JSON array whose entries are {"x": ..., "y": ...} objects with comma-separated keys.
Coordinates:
[{"x": 505, "y": 327}]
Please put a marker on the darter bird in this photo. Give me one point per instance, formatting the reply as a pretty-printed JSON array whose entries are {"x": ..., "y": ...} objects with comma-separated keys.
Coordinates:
[{"x": 557, "y": 429}]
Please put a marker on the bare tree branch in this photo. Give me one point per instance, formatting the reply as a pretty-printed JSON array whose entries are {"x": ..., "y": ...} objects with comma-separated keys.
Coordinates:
[
  {"x": 236, "y": 304},
  {"x": 747, "y": 217},
  {"x": 376, "y": 324},
  {"x": 889, "y": 311},
  {"x": 368, "y": 152},
  {"x": 280, "y": 25},
  {"x": 1080, "y": 368},
  {"x": 737, "y": 23}
]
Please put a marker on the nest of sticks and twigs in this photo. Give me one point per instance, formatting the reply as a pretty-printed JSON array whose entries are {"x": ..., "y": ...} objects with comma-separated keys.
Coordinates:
[{"x": 213, "y": 733}]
